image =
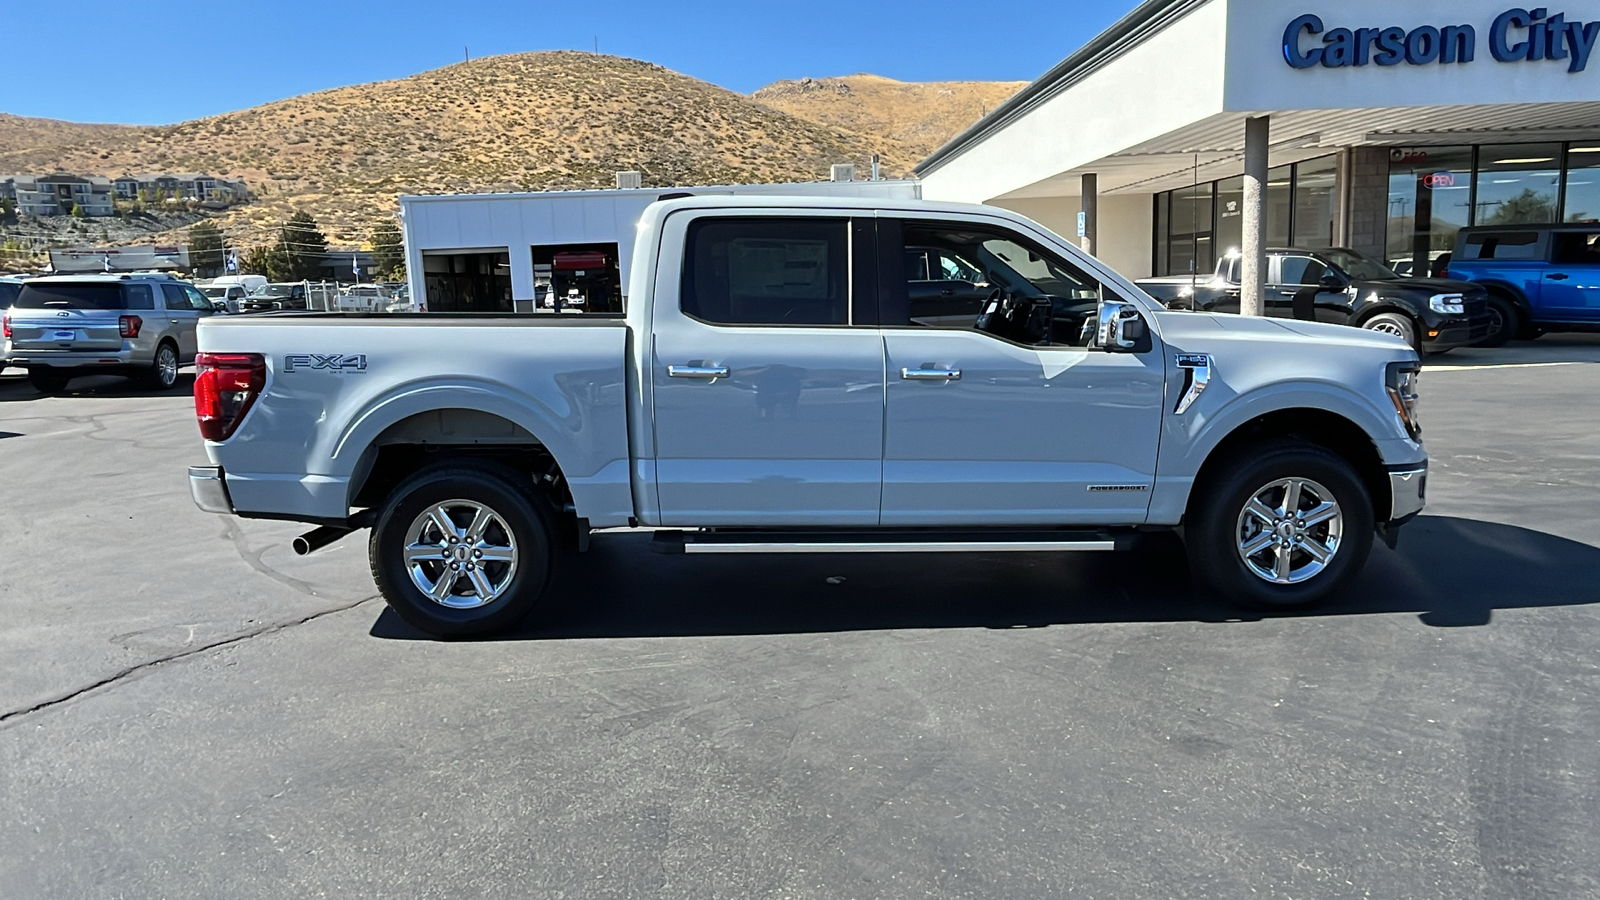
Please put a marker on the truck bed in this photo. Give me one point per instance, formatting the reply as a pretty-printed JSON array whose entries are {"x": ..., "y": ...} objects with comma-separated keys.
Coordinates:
[{"x": 559, "y": 377}]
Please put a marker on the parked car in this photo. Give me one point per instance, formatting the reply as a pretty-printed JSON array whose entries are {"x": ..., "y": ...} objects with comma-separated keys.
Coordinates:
[
  {"x": 9, "y": 288},
  {"x": 771, "y": 390},
  {"x": 65, "y": 326},
  {"x": 1343, "y": 287},
  {"x": 278, "y": 295},
  {"x": 226, "y": 298},
  {"x": 1539, "y": 278}
]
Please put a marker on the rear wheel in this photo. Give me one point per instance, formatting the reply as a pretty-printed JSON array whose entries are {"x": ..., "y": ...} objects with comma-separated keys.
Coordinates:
[
  {"x": 463, "y": 550},
  {"x": 46, "y": 381},
  {"x": 163, "y": 372},
  {"x": 1505, "y": 322},
  {"x": 1396, "y": 324},
  {"x": 1287, "y": 526}
]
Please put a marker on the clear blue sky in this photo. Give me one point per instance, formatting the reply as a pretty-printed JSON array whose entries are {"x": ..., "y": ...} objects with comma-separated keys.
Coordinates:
[{"x": 163, "y": 61}]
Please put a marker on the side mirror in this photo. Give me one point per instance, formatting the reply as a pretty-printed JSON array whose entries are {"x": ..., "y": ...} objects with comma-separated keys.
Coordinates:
[
  {"x": 1331, "y": 281},
  {"x": 1121, "y": 327}
]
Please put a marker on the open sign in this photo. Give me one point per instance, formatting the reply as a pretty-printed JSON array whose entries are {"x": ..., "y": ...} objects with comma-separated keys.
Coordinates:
[{"x": 1439, "y": 180}]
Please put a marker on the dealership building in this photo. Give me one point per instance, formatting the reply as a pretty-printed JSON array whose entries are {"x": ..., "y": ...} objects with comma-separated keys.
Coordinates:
[{"x": 1381, "y": 126}]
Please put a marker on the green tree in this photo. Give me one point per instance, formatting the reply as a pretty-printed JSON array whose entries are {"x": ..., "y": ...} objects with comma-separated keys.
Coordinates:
[
  {"x": 388, "y": 251},
  {"x": 77, "y": 212},
  {"x": 205, "y": 249},
  {"x": 1528, "y": 206},
  {"x": 302, "y": 247},
  {"x": 262, "y": 261}
]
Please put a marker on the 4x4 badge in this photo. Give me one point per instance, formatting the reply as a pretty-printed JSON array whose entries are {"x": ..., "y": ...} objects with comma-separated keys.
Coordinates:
[{"x": 337, "y": 362}]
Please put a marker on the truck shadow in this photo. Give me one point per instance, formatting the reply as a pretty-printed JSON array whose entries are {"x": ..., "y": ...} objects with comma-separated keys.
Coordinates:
[
  {"x": 14, "y": 387},
  {"x": 1450, "y": 572}
]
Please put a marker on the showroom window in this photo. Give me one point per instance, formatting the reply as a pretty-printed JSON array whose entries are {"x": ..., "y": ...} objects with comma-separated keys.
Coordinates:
[
  {"x": 1581, "y": 187},
  {"x": 1518, "y": 184},
  {"x": 1195, "y": 225}
]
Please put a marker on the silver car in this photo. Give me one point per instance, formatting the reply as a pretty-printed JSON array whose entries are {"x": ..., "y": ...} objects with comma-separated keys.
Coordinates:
[{"x": 65, "y": 326}]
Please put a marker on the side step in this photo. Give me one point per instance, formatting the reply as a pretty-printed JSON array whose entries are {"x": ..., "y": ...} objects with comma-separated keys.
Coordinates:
[{"x": 888, "y": 542}]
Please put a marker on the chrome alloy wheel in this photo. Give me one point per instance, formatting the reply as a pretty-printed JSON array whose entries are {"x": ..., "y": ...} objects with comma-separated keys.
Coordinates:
[
  {"x": 1290, "y": 530},
  {"x": 1386, "y": 327},
  {"x": 167, "y": 365},
  {"x": 461, "y": 554}
]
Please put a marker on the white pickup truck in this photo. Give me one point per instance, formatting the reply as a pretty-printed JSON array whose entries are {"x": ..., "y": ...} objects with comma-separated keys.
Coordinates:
[{"x": 802, "y": 375}]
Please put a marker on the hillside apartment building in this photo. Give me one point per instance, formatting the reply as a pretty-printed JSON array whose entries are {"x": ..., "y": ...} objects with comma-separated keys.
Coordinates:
[{"x": 59, "y": 193}]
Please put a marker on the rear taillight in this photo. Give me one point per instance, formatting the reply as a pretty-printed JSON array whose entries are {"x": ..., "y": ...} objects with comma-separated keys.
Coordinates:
[
  {"x": 128, "y": 326},
  {"x": 225, "y": 386},
  {"x": 5, "y": 325}
]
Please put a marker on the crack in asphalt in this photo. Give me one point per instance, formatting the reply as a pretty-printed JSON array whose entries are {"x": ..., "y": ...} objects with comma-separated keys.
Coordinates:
[{"x": 129, "y": 671}]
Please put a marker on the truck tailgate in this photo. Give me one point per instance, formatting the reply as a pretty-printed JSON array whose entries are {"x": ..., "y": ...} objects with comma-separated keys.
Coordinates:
[{"x": 336, "y": 384}]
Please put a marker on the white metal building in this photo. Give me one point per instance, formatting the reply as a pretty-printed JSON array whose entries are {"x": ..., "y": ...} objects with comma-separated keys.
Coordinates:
[
  {"x": 507, "y": 252},
  {"x": 1378, "y": 125}
]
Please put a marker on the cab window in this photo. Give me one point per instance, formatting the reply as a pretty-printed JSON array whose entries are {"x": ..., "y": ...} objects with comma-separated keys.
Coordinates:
[
  {"x": 767, "y": 271},
  {"x": 984, "y": 278}
]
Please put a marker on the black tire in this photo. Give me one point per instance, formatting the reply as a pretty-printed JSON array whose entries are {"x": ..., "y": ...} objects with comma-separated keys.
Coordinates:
[
  {"x": 526, "y": 517},
  {"x": 163, "y": 371},
  {"x": 1507, "y": 322},
  {"x": 1217, "y": 524},
  {"x": 1397, "y": 324},
  {"x": 46, "y": 381}
]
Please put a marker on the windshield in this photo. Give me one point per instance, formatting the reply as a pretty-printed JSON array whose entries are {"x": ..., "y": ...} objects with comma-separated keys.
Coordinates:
[
  {"x": 8, "y": 293},
  {"x": 274, "y": 290},
  {"x": 1359, "y": 265},
  {"x": 70, "y": 296},
  {"x": 215, "y": 293}
]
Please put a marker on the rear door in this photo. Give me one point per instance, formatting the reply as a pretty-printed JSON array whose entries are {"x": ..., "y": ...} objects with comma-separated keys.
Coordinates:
[
  {"x": 768, "y": 404},
  {"x": 183, "y": 319},
  {"x": 70, "y": 317},
  {"x": 1571, "y": 290}
]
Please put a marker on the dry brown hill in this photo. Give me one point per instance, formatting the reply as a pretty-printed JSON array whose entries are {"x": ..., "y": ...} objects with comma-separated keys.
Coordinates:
[
  {"x": 917, "y": 117},
  {"x": 519, "y": 122},
  {"x": 20, "y": 134}
]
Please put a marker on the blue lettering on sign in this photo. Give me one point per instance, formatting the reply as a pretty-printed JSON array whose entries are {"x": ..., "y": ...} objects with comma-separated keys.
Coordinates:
[{"x": 1517, "y": 35}]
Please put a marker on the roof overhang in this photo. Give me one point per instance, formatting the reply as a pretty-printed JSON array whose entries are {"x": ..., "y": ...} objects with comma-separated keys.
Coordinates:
[{"x": 1160, "y": 99}]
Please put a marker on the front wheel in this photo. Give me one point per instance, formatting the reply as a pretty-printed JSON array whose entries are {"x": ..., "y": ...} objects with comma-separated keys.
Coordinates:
[
  {"x": 463, "y": 550},
  {"x": 1505, "y": 322},
  {"x": 1401, "y": 326},
  {"x": 1286, "y": 525}
]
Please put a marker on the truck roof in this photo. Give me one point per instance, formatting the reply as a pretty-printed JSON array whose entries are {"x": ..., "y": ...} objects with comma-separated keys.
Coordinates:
[{"x": 106, "y": 277}]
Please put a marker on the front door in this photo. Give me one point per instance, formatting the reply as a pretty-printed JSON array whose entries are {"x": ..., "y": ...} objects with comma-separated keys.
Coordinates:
[
  {"x": 768, "y": 404},
  {"x": 1014, "y": 424},
  {"x": 1571, "y": 289}
]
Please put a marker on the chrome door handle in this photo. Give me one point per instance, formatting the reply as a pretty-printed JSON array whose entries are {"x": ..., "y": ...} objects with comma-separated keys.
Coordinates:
[
  {"x": 697, "y": 371},
  {"x": 931, "y": 374}
]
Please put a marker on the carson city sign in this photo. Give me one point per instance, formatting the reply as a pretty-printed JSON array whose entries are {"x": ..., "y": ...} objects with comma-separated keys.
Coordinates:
[{"x": 1517, "y": 35}]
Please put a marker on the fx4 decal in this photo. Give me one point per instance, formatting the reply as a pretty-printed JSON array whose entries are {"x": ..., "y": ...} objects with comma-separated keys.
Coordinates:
[{"x": 337, "y": 362}]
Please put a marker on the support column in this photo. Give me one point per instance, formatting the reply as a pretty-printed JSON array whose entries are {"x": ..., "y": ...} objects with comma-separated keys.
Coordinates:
[
  {"x": 1253, "y": 264},
  {"x": 1091, "y": 212}
]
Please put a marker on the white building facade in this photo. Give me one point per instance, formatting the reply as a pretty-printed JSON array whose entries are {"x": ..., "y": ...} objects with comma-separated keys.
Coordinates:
[{"x": 1379, "y": 126}]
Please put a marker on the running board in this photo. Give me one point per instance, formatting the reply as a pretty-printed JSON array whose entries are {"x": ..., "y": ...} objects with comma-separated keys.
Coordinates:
[{"x": 887, "y": 542}]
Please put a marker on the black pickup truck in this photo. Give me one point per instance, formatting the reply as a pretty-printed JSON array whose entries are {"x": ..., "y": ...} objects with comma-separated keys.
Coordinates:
[{"x": 1346, "y": 288}]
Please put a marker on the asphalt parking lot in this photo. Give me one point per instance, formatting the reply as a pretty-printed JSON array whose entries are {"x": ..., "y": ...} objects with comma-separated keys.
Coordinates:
[{"x": 188, "y": 710}]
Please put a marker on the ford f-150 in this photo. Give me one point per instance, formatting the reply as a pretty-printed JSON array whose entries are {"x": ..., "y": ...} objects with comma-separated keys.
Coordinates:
[{"x": 778, "y": 383}]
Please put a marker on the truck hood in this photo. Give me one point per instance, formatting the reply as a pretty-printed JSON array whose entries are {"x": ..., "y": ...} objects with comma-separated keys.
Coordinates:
[{"x": 1190, "y": 331}]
